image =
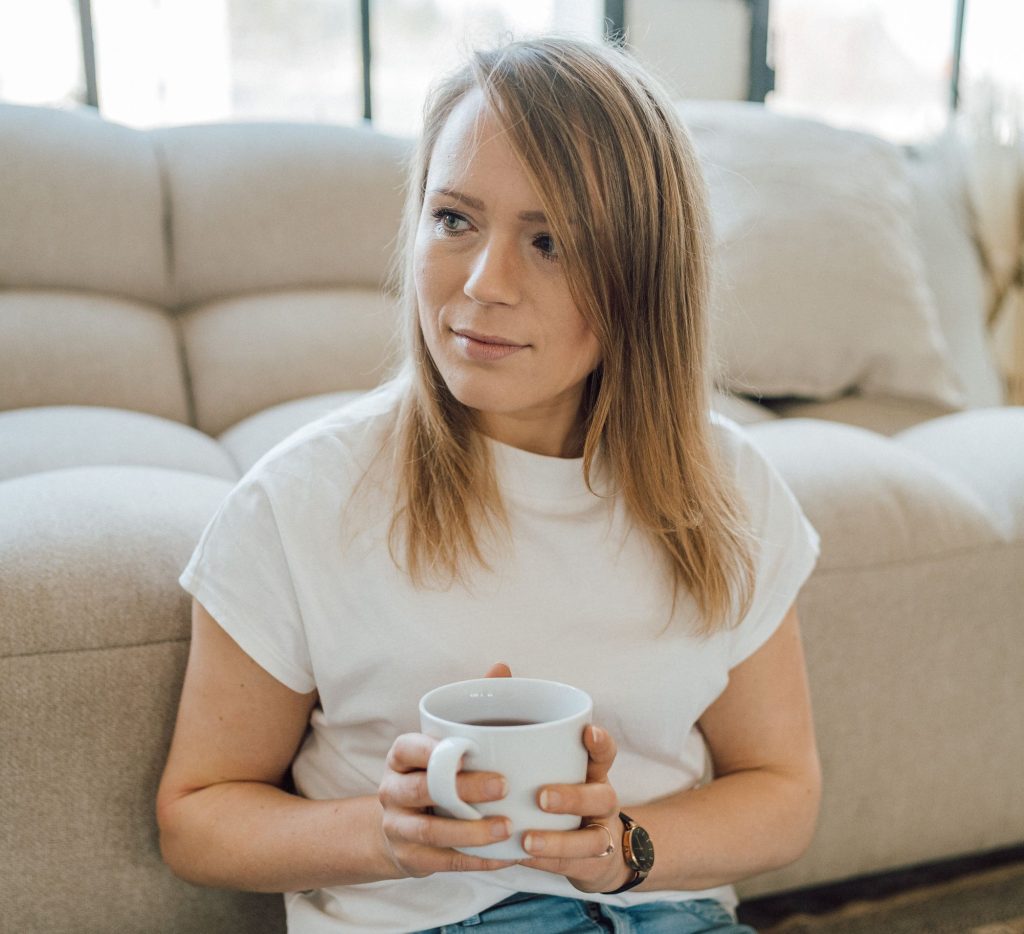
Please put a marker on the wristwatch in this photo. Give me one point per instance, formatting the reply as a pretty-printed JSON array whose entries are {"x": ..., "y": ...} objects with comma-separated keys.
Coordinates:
[{"x": 637, "y": 851}]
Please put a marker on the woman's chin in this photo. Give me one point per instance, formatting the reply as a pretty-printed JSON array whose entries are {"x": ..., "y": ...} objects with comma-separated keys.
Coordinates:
[{"x": 484, "y": 399}]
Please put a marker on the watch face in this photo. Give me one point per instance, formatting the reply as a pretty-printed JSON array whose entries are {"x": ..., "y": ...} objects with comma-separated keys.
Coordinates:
[{"x": 641, "y": 850}]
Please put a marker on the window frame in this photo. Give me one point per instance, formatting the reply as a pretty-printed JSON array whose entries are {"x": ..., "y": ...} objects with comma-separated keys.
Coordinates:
[{"x": 761, "y": 80}]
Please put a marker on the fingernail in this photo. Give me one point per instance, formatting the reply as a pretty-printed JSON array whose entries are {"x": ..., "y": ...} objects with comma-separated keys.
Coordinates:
[
  {"x": 550, "y": 799},
  {"x": 533, "y": 843},
  {"x": 596, "y": 734},
  {"x": 496, "y": 788},
  {"x": 500, "y": 829}
]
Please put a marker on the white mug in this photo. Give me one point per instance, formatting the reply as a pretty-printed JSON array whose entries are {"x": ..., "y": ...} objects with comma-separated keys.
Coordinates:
[{"x": 528, "y": 730}]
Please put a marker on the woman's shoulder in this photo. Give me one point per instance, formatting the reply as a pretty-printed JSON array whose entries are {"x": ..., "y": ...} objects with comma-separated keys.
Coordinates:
[
  {"x": 336, "y": 448},
  {"x": 734, "y": 444}
]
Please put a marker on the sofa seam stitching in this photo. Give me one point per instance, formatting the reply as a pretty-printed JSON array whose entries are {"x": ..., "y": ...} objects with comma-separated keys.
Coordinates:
[
  {"x": 95, "y": 648},
  {"x": 170, "y": 270}
]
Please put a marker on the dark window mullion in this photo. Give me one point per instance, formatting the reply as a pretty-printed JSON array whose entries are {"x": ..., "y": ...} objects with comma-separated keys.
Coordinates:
[
  {"x": 958, "y": 41},
  {"x": 364, "y": 30},
  {"x": 92, "y": 97},
  {"x": 762, "y": 75},
  {"x": 615, "y": 22}
]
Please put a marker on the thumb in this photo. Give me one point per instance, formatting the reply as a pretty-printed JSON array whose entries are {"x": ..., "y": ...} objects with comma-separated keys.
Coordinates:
[{"x": 499, "y": 670}]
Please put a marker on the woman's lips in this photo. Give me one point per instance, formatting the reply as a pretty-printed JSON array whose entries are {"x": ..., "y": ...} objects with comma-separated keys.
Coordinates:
[{"x": 485, "y": 347}]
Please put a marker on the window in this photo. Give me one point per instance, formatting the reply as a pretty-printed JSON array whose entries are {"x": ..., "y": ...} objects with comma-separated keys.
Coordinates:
[
  {"x": 41, "y": 52},
  {"x": 884, "y": 66},
  {"x": 295, "y": 59},
  {"x": 992, "y": 70},
  {"x": 162, "y": 62},
  {"x": 415, "y": 40}
]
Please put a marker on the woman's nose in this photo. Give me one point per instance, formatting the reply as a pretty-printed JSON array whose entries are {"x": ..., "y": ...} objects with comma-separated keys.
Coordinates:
[{"x": 494, "y": 275}]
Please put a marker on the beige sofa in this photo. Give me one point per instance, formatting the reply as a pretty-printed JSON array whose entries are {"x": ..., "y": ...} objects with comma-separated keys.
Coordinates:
[{"x": 173, "y": 302}]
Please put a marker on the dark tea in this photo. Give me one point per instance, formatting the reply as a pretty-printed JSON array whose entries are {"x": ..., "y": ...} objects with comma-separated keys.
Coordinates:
[{"x": 501, "y": 721}]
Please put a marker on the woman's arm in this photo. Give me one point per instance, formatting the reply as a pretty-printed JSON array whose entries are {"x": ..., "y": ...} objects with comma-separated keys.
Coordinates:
[
  {"x": 224, "y": 817},
  {"x": 760, "y": 810}
]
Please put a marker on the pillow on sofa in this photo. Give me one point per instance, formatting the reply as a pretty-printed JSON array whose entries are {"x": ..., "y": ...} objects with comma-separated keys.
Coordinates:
[
  {"x": 953, "y": 266},
  {"x": 819, "y": 283}
]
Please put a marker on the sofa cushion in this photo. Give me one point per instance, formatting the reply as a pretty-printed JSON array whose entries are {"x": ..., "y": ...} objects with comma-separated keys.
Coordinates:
[
  {"x": 257, "y": 207},
  {"x": 248, "y": 353},
  {"x": 820, "y": 285},
  {"x": 82, "y": 205},
  {"x": 915, "y": 676},
  {"x": 874, "y": 501},
  {"x": 92, "y": 653},
  {"x": 885, "y": 415},
  {"x": 90, "y": 556},
  {"x": 985, "y": 449},
  {"x": 81, "y": 762},
  {"x": 85, "y": 349},
  {"x": 56, "y": 437}
]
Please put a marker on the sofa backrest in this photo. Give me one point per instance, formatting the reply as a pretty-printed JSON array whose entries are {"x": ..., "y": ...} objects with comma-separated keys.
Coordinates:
[
  {"x": 205, "y": 273},
  {"x": 197, "y": 273}
]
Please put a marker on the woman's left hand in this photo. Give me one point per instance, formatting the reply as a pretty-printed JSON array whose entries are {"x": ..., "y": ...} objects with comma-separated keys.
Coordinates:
[{"x": 582, "y": 855}]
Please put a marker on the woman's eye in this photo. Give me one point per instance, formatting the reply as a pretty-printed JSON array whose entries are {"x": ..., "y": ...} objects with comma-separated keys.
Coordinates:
[
  {"x": 545, "y": 243},
  {"x": 448, "y": 222}
]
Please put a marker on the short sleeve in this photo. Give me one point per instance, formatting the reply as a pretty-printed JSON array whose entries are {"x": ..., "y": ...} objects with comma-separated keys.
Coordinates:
[
  {"x": 240, "y": 573},
  {"x": 788, "y": 546}
]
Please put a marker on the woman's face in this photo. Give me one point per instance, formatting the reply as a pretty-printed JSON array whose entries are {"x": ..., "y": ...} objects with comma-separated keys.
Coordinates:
[{"x": 494, "y": 303}]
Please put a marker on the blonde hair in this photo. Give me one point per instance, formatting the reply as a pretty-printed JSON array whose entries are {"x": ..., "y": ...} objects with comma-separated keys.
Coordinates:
[{"x": 620, "y": 184}]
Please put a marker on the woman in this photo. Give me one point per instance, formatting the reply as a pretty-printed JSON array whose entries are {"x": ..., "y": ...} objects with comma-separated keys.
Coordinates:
[{"x": 543, "y": 484}]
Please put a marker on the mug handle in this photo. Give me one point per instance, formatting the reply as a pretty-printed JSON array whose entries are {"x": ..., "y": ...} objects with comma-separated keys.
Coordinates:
[{"x": 442, "y": 769}]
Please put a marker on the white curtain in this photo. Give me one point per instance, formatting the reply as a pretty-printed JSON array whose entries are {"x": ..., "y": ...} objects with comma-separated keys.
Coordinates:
[{"x": 995, "y": 146}]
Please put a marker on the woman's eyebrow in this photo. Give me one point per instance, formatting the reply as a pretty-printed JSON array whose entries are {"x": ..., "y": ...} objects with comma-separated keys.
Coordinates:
[
  {"x": 533, "y": 217},
  {"x": 475, "y": 203}
]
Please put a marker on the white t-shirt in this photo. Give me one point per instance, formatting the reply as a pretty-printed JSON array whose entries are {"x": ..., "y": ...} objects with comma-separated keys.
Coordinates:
[{"x": 309, "y": 590}]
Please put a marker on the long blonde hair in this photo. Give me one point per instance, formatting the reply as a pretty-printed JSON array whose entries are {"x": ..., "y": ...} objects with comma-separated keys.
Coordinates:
[{"x": 620, "y": 184}]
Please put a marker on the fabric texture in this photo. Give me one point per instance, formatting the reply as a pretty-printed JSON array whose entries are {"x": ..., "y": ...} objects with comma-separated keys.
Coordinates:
[
  {"x": 82, "y": 205},
  {"x": 944, "y": 226},
  {"x": 250, "y": 352},
  {"x": 820, "y": 286},
  {"x": 251, "y": 438},
  {"x": 297, "y": 570},
  {"x": 884, "y": 415},
  {"x": 60, "y": 347},
  {"x": 740, "y": 410},
  {"x": 56, "y": 437},
  {"x": 84, "y": 550},
  {"x": 876, "y": 502},
  {"x": 260, "y": 207},
  {"x": 78, "y": 839},
  {"x": 915, "y": 670},
  {"x": 547, "y": 914},
  {"x": 983, "y": 450}
]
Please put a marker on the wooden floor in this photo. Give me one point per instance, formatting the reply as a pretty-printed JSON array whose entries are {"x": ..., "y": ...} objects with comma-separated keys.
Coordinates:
[{"x": 794, "y": 911}]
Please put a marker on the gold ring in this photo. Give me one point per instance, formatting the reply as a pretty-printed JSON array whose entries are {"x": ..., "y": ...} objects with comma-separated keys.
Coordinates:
[{"x": 611, "y": 841}]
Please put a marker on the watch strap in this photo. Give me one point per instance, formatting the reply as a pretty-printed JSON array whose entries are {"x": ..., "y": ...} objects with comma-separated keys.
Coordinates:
[{"x": 639, "y": 875}]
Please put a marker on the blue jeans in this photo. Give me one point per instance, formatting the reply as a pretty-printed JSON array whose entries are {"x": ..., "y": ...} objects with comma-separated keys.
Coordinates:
[{"x": 524, "y": 913}]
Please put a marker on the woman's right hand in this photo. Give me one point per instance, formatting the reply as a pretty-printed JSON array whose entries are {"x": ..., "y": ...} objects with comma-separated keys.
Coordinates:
[{"x": 418, "y": 842}]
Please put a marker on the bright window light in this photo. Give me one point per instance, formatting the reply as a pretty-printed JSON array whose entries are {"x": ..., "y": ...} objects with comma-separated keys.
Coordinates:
[
  {"x": 416, "y": 40},
  {"x": 992, "y": 66},
  {"x": 883, "y": 66},
  {"x": 41, "y": 53}
]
